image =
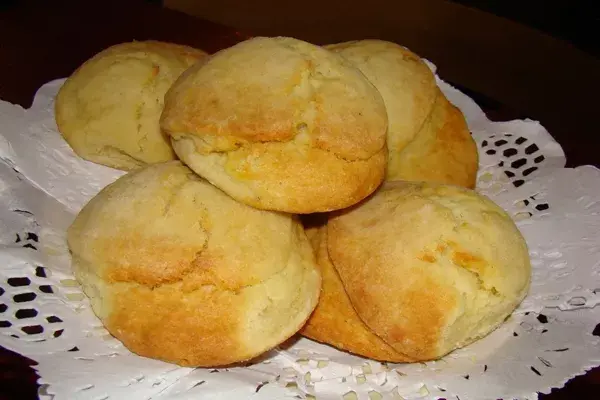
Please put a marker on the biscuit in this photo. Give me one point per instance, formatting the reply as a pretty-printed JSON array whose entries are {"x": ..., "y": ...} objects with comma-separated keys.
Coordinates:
[
  {"x": 280, "y": 124},
  {"x": 443, "y": 151},
  {"x": 429, "y": 268},
  {"x": 179, "y": 271},
  {"x": 405, "y": 82},
  {"x": 428, "y": 139},
  {"x": 108, "y": 110}
]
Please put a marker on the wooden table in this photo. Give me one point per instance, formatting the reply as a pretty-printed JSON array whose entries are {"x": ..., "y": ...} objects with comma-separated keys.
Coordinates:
[{"x": 485, "y": 56}]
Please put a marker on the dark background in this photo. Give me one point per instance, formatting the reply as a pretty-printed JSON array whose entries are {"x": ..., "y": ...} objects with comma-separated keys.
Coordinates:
[{"x": 576, "y": 21}]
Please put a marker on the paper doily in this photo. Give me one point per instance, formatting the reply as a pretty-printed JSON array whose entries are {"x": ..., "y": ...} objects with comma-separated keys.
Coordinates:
[{"x": 553, "y": 336}]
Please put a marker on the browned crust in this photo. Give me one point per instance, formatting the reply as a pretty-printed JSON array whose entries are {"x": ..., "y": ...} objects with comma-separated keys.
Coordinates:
[
  {"x": 443, "y": 151},
  {"x": 272, "y": 176},
  {"x": 335, "y": 321},
  {"x": 158, "y": 323},
  {"x": 405, "y": 305}
]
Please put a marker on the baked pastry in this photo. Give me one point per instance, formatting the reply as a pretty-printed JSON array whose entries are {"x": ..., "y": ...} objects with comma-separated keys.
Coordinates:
[
  {"x": 443, "y": 151},
  {"x": 280, "y": 124},
  {"x": 405, "y": 82},
  {"x": 108, "y": 110},
  {"x": 179, "y": 271},
  {"x": 428, "y": 138},
  {"x": 428, "y": 267},
  {"x": 334, "y": 321}
]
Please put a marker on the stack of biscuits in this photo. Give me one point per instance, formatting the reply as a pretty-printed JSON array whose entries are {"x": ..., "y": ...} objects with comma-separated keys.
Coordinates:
[{"x": 277, "y": 188}]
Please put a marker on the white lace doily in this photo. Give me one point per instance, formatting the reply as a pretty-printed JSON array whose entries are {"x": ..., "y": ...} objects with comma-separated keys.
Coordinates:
[{"x": 553, "y": 336}]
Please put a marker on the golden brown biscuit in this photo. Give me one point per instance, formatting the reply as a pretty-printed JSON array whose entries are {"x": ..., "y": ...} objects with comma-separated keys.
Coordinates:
[
  {"x": 108, "y": 110},
  {"x": 443, "y": 151},
  {"x": 405, "y": 82},
  {"x": 428, "y": 139},
  {"x": 429, "y": 268},
  {"x": 179, "y": 271},
  {"x": 280, "y": 124},
  {"x": 334, "y": 320}
]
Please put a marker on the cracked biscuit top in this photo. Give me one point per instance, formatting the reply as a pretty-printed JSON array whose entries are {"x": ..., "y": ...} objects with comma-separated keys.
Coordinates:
[
  {"x": 280, "y": 124},
  {"x": 108, "y": 110},
  {"x": 429, "y": 267}
]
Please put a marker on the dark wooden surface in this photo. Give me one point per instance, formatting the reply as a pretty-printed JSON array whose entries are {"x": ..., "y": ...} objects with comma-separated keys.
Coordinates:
[{"x": 487, "y": 57}]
